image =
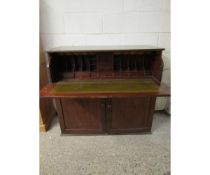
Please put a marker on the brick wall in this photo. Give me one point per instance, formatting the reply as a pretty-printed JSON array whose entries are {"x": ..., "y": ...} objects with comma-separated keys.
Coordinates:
[{"x": 108, "y": 22}]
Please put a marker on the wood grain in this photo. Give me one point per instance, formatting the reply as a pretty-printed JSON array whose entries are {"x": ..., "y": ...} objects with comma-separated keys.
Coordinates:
[
  {"x": 100, "y": 90},
  {"x": 83, "y": 115},
  {"x": 47, "y": 111}
]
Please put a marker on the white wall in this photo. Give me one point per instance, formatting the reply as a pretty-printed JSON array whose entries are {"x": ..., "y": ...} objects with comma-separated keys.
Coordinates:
[{"x": 108, "y": 22}]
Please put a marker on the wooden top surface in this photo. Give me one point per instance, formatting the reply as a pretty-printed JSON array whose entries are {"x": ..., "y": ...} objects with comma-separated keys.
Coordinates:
[
  {"x": 104, "y": 88},
  {"x": 104, "y": 48}
]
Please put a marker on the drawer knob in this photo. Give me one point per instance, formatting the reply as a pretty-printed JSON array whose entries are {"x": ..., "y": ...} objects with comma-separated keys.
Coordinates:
[{"x": 109, "y": 106}]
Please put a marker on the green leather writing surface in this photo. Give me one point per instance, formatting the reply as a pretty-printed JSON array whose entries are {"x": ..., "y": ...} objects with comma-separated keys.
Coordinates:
[{"x": 106, "y": 86}]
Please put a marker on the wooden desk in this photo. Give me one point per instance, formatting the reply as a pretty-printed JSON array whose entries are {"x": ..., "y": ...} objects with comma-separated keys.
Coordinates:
[{"x": 105, "y": 89}]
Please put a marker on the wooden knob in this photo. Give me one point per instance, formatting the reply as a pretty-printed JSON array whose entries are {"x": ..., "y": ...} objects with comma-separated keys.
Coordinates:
[
  {"x": 109, "y": 106},
  {"x": 102, "y": 104}
]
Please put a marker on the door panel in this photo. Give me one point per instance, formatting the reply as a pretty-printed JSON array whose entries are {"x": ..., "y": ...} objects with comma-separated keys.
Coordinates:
[
  {"x": 83, "y": 115},
  {"x": 128, "y": 114}
]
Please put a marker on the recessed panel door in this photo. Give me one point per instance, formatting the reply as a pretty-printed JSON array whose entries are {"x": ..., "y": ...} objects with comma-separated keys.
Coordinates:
[
  {"x": 127, "y": 115},
  {"x": 83, "y": 115}
]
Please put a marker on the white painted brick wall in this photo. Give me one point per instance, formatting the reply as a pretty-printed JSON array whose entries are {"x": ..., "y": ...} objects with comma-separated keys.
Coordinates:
[
  {"x": 147, "y": 5},
  {"x": 56, "y": 40},
  {"x": 107, "y": 22},
  {"x": 105, "y": 39},
  {"x": 82, "y": 23},
  {"x": 164, "y": 41},
  {"x": 84, "y": 6},
  {"x": 140, "y": 39},
  {"x": 134, "y": 22}
]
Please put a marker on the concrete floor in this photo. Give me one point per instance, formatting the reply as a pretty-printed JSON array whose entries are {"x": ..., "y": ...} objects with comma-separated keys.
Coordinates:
[{"x": 109, "y": 154}]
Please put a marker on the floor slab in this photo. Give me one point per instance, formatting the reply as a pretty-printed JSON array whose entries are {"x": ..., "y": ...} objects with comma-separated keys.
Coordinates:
[{"x": 107, "y": 154}]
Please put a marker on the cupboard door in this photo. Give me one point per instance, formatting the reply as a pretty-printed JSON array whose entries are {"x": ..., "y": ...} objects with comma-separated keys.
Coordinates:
[
  {"x": 127, "y": 115},
  {"x": 83, "y": 116}
]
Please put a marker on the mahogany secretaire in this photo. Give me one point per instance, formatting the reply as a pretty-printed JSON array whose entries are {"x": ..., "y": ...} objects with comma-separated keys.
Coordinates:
[{"x": 105, "y": 89}]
